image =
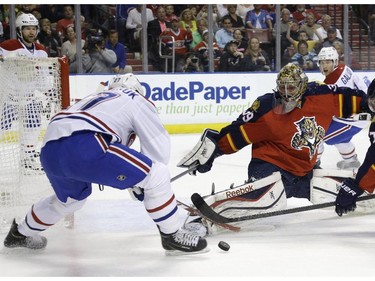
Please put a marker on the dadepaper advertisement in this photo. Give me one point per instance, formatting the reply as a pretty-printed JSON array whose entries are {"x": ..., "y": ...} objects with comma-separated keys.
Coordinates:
[{"x": 188, "y": 103}]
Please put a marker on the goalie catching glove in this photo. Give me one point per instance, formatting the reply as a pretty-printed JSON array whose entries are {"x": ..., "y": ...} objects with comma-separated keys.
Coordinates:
[{"x": 203, "y": 154}]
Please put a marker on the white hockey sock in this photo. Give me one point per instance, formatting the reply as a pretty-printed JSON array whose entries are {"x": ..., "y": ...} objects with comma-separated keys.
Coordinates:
[
  {"x": 160, "y": 201},
  {"x": 347, "y": 150},
  {"x": 47, "y": 212}
]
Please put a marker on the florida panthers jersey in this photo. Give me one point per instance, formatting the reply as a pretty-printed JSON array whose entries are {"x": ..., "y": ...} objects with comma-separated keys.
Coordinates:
[
  {"x": 14, "y": 47},
  {"x": 120, "y": 113},
  {"x": 343, "y": 76},
  {"x": 366, "y": 173},
  {"x": 290, "y": 141}
]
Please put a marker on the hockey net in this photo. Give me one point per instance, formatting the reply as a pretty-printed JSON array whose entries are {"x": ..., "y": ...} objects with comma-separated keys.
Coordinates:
[{"x": 32, "y": 90}]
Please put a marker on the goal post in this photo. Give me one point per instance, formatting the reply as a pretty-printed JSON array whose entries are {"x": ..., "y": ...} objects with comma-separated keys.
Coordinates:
[{"x": 32, "y": 90}]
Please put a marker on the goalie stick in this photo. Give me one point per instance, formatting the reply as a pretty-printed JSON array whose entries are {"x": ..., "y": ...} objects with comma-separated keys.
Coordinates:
[
  {"x": 195, "y": 212},
  {"x": 213, "y": 216}
]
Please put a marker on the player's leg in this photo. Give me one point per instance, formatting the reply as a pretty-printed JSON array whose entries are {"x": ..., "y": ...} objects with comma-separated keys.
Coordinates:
[
  {"x": 340, "y": 133},
  {"x": 118, "y": 166},
  {"x": 349, "y": 155},
  {"x": 159, "y": 200},
  {"x": 42, "y": 215},
  {"x": 70, "y": 195}
]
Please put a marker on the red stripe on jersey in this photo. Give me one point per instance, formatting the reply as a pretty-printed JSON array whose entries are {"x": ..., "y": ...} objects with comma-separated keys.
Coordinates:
[
  {"x": 130, "y": 158},
  {"x": 101, "y": 142},
  {"x": 161, "y": 206},
  {"x": 107, "y": 128}
]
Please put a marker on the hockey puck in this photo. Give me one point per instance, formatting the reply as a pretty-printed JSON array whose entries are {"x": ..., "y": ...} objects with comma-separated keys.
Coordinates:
[{"x": 224, "y": 246}]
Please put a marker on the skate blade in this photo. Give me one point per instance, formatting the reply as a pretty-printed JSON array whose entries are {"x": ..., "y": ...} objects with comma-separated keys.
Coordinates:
[{"x": 181, "y": 253}]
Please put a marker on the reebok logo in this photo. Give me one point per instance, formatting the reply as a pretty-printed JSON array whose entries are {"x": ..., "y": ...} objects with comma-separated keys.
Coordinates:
[{"x": 239, "y": 191}]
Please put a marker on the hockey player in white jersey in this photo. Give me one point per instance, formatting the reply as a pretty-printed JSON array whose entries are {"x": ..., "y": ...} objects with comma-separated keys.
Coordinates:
[
  {"x": 90, "y": 143},
  {"x": 27, "y": 27},
  {"x": 342, "y": 130}
]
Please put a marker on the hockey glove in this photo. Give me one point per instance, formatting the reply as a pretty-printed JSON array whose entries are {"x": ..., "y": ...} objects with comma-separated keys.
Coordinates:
[
  {"x": 347, "y": 197},
  {"x": 203, "y": 153}
]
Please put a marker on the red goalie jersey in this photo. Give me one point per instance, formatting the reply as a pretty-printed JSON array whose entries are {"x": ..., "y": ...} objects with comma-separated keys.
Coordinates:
[{"x": 290, "y": 141}]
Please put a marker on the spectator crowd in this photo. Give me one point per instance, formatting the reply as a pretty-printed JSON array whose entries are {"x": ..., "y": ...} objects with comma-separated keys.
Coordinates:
[{"x": 243, "y": 35}]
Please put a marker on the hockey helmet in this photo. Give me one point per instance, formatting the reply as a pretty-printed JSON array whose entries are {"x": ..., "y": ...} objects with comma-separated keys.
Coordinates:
[
  {"x": 371, "y": 96},
  {"x": 128, "y": 81},
  {"x": 291, "y": 85},
  {"x": 329, "y": 53},
  {"x": 26, "y": 20}
]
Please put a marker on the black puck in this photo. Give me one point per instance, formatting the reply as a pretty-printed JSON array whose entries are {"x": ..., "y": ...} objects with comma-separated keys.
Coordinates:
[{"x": 224, "y": 246}]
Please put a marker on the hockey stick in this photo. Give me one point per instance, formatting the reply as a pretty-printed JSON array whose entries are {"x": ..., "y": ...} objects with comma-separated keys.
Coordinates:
[
  {"x": 213, "y": 216},
  {"x": 191, "y": 169},
  {"x": 194, "y": 211}
]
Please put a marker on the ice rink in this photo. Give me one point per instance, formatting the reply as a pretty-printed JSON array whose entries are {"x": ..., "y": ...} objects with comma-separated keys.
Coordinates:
[{"x": 114, "y": 237}]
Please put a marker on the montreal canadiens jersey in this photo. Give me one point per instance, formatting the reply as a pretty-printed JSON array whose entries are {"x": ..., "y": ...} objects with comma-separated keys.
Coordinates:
[
  {"x": 14, "y": 47},
  {"x": 120, "y": 113},
  {"x": 343, "y": 76},
  {"x": 290, "y": 141},
  {"x": 366, "y": 173}
]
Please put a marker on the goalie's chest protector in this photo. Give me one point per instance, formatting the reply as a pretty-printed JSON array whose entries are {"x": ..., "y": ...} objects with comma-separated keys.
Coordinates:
[{"x": 290, "y": 141}]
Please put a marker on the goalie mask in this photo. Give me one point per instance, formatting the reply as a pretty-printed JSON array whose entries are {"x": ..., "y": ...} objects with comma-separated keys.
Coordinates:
[
  {"x": 371, "y": 96},
  {"x": 291, "y": 84},
  {"x": 26, "y": 20},
  {"x": 128, "y": 81},
  {"x": 328, "y": 60}
]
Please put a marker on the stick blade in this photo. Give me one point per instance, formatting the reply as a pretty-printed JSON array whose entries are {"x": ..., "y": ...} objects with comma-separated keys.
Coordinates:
[{"x": 206, "y": 210}]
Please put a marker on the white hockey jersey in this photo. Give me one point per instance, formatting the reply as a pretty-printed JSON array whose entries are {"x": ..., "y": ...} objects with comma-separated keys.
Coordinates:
[
  {"x": 344, "y": 76},
  {"x": 14, "y": 47},
  {"x": 120, "y": 113}
]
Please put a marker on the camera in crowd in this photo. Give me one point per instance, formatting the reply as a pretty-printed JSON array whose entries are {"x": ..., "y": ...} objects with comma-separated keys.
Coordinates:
[
  {"x": 194, "y": 59},
  {"x": 94, "y": 38}
]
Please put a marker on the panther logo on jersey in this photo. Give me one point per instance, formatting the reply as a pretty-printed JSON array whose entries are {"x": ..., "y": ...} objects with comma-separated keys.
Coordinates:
[{"x": 309, "y": 135}]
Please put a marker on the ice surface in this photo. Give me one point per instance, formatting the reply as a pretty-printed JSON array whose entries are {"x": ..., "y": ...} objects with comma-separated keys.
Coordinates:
[{"x": 113, "y": 236}]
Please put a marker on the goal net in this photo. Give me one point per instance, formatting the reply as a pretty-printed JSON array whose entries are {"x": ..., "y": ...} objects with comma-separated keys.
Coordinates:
[{"x": 32, "y": 90}]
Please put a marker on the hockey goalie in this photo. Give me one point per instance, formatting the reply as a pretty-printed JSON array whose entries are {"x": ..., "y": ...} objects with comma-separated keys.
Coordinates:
[{"x": 285, "y": 129}]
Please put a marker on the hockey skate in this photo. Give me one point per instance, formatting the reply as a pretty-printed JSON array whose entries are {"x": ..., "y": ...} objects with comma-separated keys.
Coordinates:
[
  {"x": 14, "y": 239},
  {"x": 347, "y": 164},
  {"x": 183, "y": 242},
  {"x": 196, "y": 227}
]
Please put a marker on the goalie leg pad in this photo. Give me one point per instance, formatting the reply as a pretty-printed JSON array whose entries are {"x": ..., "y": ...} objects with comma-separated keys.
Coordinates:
[
  {"x": 325, "y": 186},
  {"x": 264, "y": 195}
]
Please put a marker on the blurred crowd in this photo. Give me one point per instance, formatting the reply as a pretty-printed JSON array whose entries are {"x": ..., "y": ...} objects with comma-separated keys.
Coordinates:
[{"x": 243, "y": 35}]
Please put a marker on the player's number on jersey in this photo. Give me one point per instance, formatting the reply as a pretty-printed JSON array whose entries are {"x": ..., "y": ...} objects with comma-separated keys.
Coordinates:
[
  {"x": 99, "y": 98},
  {"x": 247, "y": 116}
]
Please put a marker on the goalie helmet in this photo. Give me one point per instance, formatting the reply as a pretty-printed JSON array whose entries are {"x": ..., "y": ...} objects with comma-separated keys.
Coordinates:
[
  {"x": 26, "y": 20},
  {"x": 329, "y": 53},
  {"x": 128, "y": 81},
  {"x": 291, "y": 84}
]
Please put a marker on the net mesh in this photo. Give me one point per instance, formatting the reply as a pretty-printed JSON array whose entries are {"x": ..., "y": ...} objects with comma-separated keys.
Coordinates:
[{"x": 30, "y": 93}]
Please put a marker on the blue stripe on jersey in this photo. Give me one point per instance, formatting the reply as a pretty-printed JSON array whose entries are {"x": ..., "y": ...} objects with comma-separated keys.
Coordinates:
[{"x": 166, "y": 216}]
